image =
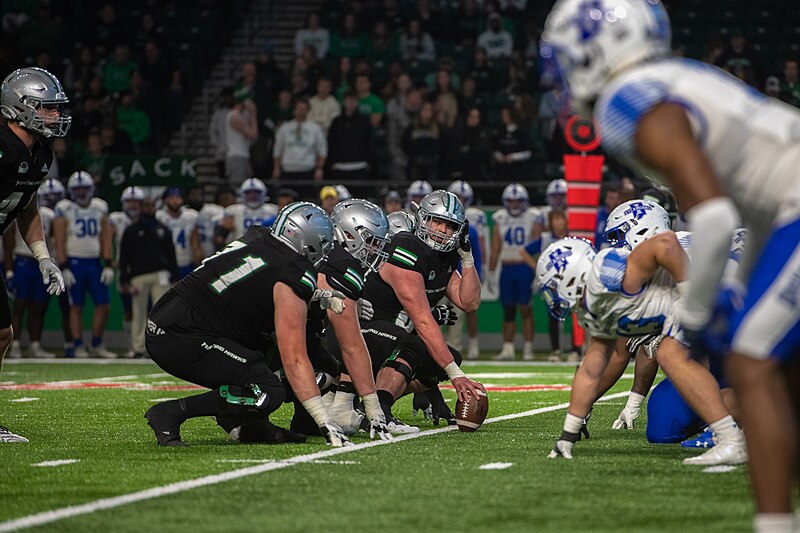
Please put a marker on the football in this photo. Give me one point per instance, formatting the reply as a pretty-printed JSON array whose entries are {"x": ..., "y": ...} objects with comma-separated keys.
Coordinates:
[{"x": 471, "y": 413}]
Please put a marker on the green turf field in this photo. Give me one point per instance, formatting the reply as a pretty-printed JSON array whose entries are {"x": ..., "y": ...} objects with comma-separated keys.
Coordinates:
[{"x": 92, "y": 414}]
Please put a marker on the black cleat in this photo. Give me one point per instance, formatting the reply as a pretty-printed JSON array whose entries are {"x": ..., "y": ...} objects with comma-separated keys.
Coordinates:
[
  {"x": 265, "y": 432},
  {"x": 165, "y": 424}
]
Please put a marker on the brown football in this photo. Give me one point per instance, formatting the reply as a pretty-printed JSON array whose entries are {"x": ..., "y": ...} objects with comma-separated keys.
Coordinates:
[{"x": 471, "y": 413}]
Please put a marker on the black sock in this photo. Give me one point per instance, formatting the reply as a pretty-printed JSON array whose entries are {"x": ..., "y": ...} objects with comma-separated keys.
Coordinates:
[
  {"x": 387, "y": 400},
  {"x": 205, "y": 404}
]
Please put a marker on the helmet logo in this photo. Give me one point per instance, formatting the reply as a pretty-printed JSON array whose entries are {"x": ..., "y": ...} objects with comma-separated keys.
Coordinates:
[
  {"x": 638, "y": 210},
  {"x": 558, "y": 260},
  {"x": 590, "y": 19}
]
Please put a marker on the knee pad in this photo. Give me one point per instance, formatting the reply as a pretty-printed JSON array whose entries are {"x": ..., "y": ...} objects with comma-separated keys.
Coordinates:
[
  {"x": 406, "y": 370},
  {"x": 509, "y": 313},
  {"x": 253, "y": 399}
]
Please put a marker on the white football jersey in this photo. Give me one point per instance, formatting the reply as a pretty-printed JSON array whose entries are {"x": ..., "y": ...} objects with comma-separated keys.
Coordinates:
[
  {"x": 83, "y": 226},
  {"x": 120, "y": 221},
  {"x": 752, "y": 141},
  {"x": 477, "y": 219},
  {"x": 181, "y": 227},
  {"x": 609, "y": 312},
  {"x": 20, "y": 248},
  {"x": 208, "y": 218},
  {"x": 244, "y": 217},
  {"x": 515, "y": 232}
]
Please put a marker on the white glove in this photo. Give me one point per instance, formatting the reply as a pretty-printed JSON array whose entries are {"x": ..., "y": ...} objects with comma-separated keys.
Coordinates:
[
  {"x": 365, "y": 310},
  {"x": 378, "y": 428},
  {"x": 53, "y": 278},
  {"x": 330, "y": 299},
  {"x": 334, "y": 435},
  {"x": 491, "y": 282},
  {"x": 562, "y": 448},
  {"x": 348, "y": 418},
  {"x": 627, "y": 417},
  {"x": 107, "y": 276}
]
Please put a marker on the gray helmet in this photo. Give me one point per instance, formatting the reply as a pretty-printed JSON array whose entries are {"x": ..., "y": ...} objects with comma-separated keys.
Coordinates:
[
  {"x": 362, "y": 229},
  {"x": 441, "y": 206},
  {"x": 306, "y": 229},
  {"x": 27, "y": 90},
  {"x": 401, "y": 221}
]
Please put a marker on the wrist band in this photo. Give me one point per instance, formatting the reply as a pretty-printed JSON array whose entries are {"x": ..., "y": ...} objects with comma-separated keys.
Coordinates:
[
  {"x": 317, "y": 410},
  {"x": 454, "y": 371},
  {"x": 39, "y": 250}
]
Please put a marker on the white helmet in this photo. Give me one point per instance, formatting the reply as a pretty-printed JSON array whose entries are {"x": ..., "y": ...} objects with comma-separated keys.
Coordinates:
[
  {"x": 343, "y": 192},
  {"x": 463, "y": 190},
  {"x": 445, "y": 207},
  {"x": 512, "y": 193},
  {"x": 635, "y": 221},
  {"x": 556, "y": 188},
  {"x": 81, "y": 187},
  {"x": 132, "y": 198},
  {"x": 51, "y": 191},
  {"x": 25, "y": 91},
  {"x": 417, "y": 191},
  {"x": 587, "y": 42},
  {"x": 362, "y": 229},
  {"x": 561, "y": 274},
  {"x": 253, "y": 193},
  {"x": 401, "y": 221},
  {"x": 306, "y": 229}
]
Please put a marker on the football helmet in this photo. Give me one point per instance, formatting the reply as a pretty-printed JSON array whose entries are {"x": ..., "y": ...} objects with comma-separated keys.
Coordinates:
[
  {"x": 401, "y": 221},
  {"x": 81, "y": 187},
  {"x": 463, "y": 190},
  {"x": 51, "y": 191},
  {"x": 586, "y": 42},
  {"x": 131, "y": 199},
  {"x": 28, "y": 92},
  {"x": 557, "y": 194},
  {"x": 306, "y": 229},
  {"x": 343, "y": 192},
  {"x": 416, "y": 192},
  {"x": 362, "y": 229},
  {"x": 635, "y": 221},
  {"x": 253, "y": 193},
  {"x": 440, "y": 206},
  {"x": 515, "y": 199},
  {"x": 561, "y": 274},
  {"x": 737, "y": 244}
]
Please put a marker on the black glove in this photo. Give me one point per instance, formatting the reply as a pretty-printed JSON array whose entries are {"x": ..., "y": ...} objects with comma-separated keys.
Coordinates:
[
  {"x": 463, "y": 239},
  {"x": 444, "y": 314},
  {"x": 439, "y": 409},
  {"x": 584, "y": 432}
]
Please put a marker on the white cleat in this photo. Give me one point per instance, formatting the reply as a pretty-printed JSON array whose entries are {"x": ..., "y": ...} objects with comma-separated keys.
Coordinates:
[
  {"x": 399, "y": 428},
  {"x": 527, "y": 356},
  {"x": 505, "y": 355},
  {"x": 38, "y": 352},
  {"x": 14, "y": 352},
  {"x": 100, "y": 351},
  {"x": 554, "y": 357},
  {"x": 81, "y": 353},
  {"x": 7, "y": 436},
  {"x": 731, "y": 452},
  {"x": 474, "y": 351},
  {"x": 574, "y": 357}
]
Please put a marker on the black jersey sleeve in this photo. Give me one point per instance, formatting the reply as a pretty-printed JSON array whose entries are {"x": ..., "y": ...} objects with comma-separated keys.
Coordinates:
[
  {"x": 344, "y": 273},
  {"x": 301, "y": 277},
  {"x": 408, "y": 252}
]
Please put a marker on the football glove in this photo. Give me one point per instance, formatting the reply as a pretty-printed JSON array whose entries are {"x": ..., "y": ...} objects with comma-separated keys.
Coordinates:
[
  {"x": 348, "y": 418},
  {"x": 378, "y": 428},
  {"x": 53, "y": 278},
  {"x": 563, "y": 446},
  {"x": 584, "y": 432},
  {"x": 107, "y": 276},
  {"x": 465, "y": 248},
  {"x": 330, "y": 299},
  {"x": 627, "y": 418},
  {"x": 334, "y": 435},
  {"x": 444, "y": 314},
  {"x": 365, "y": 310},
  {"x": 439, "y": 409}
]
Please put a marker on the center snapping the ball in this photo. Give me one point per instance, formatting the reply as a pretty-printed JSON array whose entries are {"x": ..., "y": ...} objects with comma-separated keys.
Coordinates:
[{"x": 471, "y": 413}]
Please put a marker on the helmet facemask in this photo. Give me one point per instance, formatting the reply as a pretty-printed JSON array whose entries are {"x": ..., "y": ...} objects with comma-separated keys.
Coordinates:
[{"x": 441, "y": 241}]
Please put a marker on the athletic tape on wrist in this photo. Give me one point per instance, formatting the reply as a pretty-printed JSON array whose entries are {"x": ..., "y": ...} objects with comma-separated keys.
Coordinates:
[
  {"x": 39, "y": 250},
  {"x": 317, "y": 410},
  {"x": 454, "y": 371}
]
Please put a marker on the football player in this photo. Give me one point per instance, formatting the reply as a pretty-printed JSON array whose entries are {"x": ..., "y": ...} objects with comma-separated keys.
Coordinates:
[
  {"x": 401, "y": 221},
  {"x": 209, "y": 216},
  {"x": 418, "y": 190},
  {"x": 181, "y": 221},
  {"x": 32, "y": 102},
  {"x": 83, "y": 246},
  {"x": 208, "y": 330},
  {"x": 253, "y": 210},
  {"x": 728, "y": 153},
  {"x": 514, "y": 228},
  {"x": 404, "y": 339}
]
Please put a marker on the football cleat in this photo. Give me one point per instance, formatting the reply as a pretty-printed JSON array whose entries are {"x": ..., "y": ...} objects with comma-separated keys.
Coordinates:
[
  {"x": 473, "y": 352},
  {"x": 14, "y": 352},
  {"x": 397, "y": 427},
  {"x": 101, "y": 352},
  {"x": 265, "y": 432},
  {"x": 703, "y": 440},
  {"x": 505, "y": 355},
  {"x": 725, "y": 452},
  {"x": 38, "y": 352},
  {"x": 165, "y": 425},
  {"x": 80, "y": 353},
  {"x": 7, "y": 436}
]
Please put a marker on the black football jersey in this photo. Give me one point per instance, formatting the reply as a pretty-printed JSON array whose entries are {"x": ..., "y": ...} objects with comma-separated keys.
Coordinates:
[
  {"x": 409, "y": 252},
  {"x": 344, "y": 272},
  {"x": 233, "y": 288},
  {"x": 21, "y": 173}
]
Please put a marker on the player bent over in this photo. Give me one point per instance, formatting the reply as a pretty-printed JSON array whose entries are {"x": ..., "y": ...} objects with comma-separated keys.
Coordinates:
[{"x": 208, "y": 329}]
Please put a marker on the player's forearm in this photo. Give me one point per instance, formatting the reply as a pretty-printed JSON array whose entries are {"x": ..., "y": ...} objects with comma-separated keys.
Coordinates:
[
  {"x": 30, "y": 226},
  {"x": 300, "y": 375},
  {"x": 428, "y": 330},
  {"x": 469, "y": 290},
  {"x": 354, "y": 350}
]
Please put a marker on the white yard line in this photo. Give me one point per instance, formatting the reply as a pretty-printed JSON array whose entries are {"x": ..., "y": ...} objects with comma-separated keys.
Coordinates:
[
  {"x": 57, "y": 462},
  {"x": 495, "y": 466},
  {"x": 55, "y": 515},
  {"x": 24, "y": 400}
]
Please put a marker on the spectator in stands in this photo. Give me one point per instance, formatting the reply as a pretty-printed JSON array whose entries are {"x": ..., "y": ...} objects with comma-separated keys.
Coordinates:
[
  {"x": 313, "y": 66},
  {"x": 383, "y": 44},
  {"x": 350, "y": 143},
  {"x": 285, "y": 196},
  {"x": 79, "y": 71},
  {"x": 469, "y": 96},
  {"x": 142, "y": 95},
  {"x": 424, "y": 142},
  {"x": 44, "y": 32},
  {"x": 467, "y": 22},
  {"x": 298, "y": 85},
  {"x": 145, "y": 32},
  {"x": 400, "y": 111},
  {"x": 522, "y": 78},
  {"x": 393, "y": 202},
  {"x": 86, "y": 118},
  {"x": 345, "y": 78},
  {"x": 447, "y": 101},
  {"x": 300, "y": 148},
  {"x": 314, "y": 35},
  {"x": 369, "y": 104},
  {"x": 393, "y": 14},
  {"x": 134, "y": 122},
  {"x": 348, "y": 40},
  {"x": 241, "y": 130},
  {"x": 157, "y": 71},
  {"x": 268, "y": 73},
  {"x": 611, "y": 199},
  {"x": 93, "y": 160},
  {"x": 531, "y": 40},
  {"x": 739, "y": 59},
  {"x": 247, "y": 84},
  {"x": 108, "y": 31},
  {"x": 117, "y": 72},
  {"x": 115, "y": 141},
  {"x": 481, "y": 72},
  {"x": 471, "y": 148},
  {"x": 772, "y": 87},
  {"x": 416, "y": 44},
  {"x": 790, "y": 85},
  {"x": 63, "y": 159},
  {"x": 216, "y": 128},
  {"x": 512, "y": 148},
  {"x": 432, "y": 21},
  {"x": 323, "y": 106},
  {"x": 497, "y": 42},
  {"x": 328, "y": 198},
  {"x": 281, "y": 110}
]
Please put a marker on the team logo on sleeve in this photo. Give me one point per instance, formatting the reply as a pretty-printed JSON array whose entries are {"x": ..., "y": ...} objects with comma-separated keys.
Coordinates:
[
  {"x": 404, "y": 256},
  {"x": 309, "y": 280},
  {"x": 558, "y": 260}
]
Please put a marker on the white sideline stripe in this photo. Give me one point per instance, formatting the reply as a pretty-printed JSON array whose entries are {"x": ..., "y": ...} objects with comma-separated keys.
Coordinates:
[
  {"x": 24, "y": 400},
  {"x": 262, "y": 461},
  {"x": 47, "y": 517},
  {"x": 57, "y": 462},
  {"x": 495, "y": 466}
]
